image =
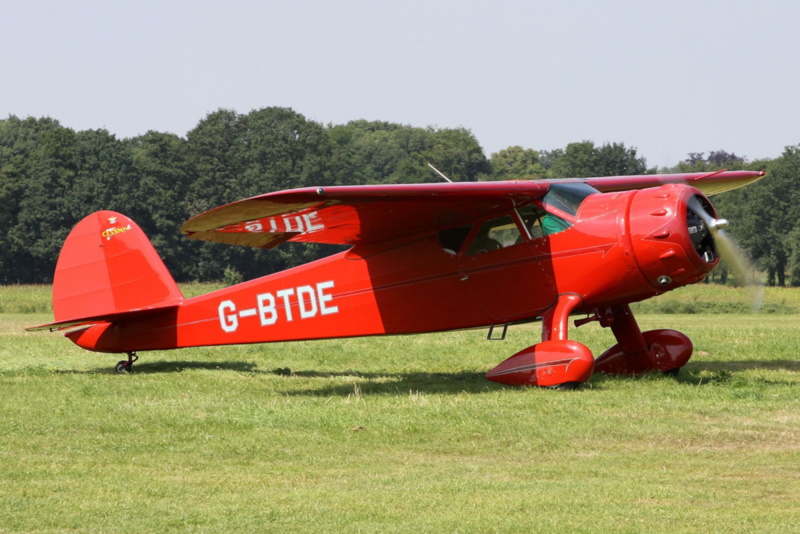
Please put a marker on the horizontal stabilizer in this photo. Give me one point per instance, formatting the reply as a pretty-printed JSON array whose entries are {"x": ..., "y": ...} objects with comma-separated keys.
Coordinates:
[{"x": 85, "y": 322}]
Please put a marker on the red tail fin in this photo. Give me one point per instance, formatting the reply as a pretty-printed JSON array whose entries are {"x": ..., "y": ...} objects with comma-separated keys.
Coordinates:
[{"x": 107, "y": 266}]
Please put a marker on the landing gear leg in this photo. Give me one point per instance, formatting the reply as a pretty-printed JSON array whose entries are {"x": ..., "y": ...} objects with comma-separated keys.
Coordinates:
[
  {"x": 638, "y": 352},
  {"x": 125, "y": 366}
]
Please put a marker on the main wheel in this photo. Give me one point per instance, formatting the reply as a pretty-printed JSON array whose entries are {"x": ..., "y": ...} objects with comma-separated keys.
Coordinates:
[{"x": 568, "y": 386}]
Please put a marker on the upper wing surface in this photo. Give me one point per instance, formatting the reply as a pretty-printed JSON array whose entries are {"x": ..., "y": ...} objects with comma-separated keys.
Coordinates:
[{"x": 357, "y": 215}]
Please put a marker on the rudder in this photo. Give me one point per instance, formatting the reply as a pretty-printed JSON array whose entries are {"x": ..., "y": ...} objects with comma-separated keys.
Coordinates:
[{"x": 108, "y": 266}]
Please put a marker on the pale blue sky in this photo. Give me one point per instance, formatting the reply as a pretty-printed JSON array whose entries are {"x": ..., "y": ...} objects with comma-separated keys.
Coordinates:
[{"x": 666, "y": 77}]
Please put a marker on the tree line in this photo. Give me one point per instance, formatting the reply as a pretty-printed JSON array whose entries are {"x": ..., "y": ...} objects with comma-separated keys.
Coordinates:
[{"x": 52, "y": 176}]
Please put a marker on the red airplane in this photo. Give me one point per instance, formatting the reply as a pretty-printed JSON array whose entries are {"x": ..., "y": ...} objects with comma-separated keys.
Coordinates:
[{"x": 422, "y": 258}]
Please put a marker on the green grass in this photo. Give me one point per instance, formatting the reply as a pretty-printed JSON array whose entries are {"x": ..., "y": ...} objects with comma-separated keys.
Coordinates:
[{"x": 401, "y": 434}]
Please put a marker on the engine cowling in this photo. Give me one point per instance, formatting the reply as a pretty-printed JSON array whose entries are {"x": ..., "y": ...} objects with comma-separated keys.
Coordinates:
[
  {"x": 633, "y": 245},
  {"x": 671, "y": 241}
]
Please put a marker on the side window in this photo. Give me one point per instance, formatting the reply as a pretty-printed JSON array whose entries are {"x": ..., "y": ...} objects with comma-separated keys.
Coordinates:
[
  {"x": 494, "y": 235},
  {"x": 453, "y": 239}
]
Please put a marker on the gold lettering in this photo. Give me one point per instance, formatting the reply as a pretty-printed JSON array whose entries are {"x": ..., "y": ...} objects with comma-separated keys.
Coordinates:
[{"x": 114, "y": 231}]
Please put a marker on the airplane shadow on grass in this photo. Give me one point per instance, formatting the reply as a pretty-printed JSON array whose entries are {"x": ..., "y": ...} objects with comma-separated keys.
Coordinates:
[
  {"x": 366, "y": 383},
  {"x": 706, "y": 373},
  {"x": 395, "y": 383},
  {"x": 698, "y": 374},
  {"x": 376, "y": 383},
  {"x": 745, "y": 365},
  {"x": 181, "y": 366}
]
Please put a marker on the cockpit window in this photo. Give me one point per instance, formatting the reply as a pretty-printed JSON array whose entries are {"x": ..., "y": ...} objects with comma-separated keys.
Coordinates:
[
  {"x": 568, "y": 196},
  {"x": 540, "y": 223},
  {"x": 495, "y": 234}
]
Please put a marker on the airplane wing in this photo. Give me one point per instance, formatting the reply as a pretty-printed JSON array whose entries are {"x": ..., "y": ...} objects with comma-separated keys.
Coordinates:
[
  {"x": 360, "y": 215},
  {"x": 710, "y": 183},
  {"x": 357, "y": 215}
]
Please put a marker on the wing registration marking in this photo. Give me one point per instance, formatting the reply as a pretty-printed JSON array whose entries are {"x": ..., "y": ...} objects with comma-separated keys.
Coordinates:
[{"x": 304, "y": 223}]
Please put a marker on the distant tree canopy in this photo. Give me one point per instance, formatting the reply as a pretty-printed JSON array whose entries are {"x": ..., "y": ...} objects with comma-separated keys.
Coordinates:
[
  {"x": 52, "y": 176},
  {"x": 383, "y": 152},
  {"x": 577, "y": 160},
  {"x": 517, "y": 163},
  {"x": 581, "y": 160}
]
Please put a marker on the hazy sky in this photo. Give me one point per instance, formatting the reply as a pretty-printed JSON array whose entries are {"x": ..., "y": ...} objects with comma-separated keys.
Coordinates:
[{"x": 667, "y": 77}]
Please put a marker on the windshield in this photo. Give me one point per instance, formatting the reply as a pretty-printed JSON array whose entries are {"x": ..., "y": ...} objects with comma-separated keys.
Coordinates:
[
  {"x": 540, "y": 223},
  {"x": 568, "y": 196}
]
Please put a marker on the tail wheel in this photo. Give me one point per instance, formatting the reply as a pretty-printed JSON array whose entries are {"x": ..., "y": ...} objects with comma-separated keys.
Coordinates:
[{"x": 124, "y": 367}]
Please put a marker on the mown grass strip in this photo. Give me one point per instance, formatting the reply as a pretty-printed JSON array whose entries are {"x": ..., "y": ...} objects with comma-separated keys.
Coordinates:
[{"x": 400, "y": 434}]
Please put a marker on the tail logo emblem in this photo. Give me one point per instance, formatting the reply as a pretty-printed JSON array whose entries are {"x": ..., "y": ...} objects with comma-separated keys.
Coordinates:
[{"x": 109, "y": 233}]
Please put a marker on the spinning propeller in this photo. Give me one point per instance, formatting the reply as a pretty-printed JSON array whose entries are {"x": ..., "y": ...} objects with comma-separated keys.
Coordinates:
[{"x": 709, "y": 235}]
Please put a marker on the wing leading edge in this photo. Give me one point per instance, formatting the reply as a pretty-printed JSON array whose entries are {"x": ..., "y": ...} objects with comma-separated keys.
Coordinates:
[{"x": 363, "y": 215}]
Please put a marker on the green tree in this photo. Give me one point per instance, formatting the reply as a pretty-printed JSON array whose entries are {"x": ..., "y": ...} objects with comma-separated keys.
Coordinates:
[
  {"x": 104, "y": 176},
  {"x": 214, "y": 151},
  {"x": 280, "y": 149},
  {"x": 383, "y": 152},
  {"x": 365, "y": 151},
  {"x": 164, "y": 173},
  {"x": 716, "y": 160},
  {"x": 19, "y": 149},
  {"x": 517, "y": 163},
  {"x": 793, "y": 242},
  {"x": 43, "y": 219},
  {"x": 613, "y": 159},
  {"x": 577, "y": 161},
  {"x": 457, "y": 153},
  {"x": 763, "y": 215},
  {"x": 56, "y": 177},
  {"x": 584, "y": 159}
]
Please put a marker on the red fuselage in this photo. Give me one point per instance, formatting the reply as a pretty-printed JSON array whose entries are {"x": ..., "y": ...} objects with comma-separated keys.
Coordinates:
[{"x": 616, "y": 248}]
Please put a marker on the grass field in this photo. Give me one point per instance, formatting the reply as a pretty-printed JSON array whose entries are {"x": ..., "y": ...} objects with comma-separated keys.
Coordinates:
[{"x": 403, "y": 434}]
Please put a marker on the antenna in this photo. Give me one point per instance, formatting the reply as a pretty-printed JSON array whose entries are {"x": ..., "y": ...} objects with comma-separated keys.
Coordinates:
[{"x": 440, "y": 173}]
